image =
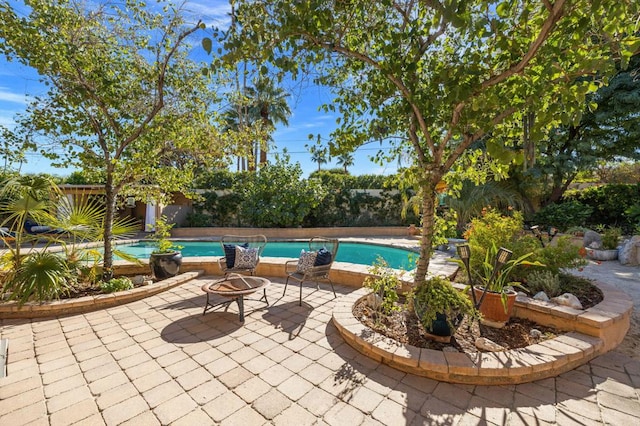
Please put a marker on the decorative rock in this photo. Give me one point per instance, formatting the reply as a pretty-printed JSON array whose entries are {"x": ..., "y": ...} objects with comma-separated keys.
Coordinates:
[
  {"x": 535, "y": 333},
  {"x": 485, "y": 344},
  {"x": 592, "y": 240},
  {"x": 138, "y": 279},
  {"x": 629, "y": 254},
  {"x": 542, "y": 296},
  {"x": 569, "y": 300},
  {"x": 373, "y": 301}
]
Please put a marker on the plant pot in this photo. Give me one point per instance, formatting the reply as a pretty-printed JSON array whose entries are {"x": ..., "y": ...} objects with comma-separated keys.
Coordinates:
[
  {"x": 441, "y": 329},
  {"x": 602, "y": 254},
  {"x": 493, "y": 310},
  {"x": 165, "y": 265}
]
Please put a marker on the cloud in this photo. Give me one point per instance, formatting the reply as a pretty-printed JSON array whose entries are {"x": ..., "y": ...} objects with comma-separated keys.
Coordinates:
[
  {"x": 8, "y": 96},
  {"x": 212, "y": 13}
]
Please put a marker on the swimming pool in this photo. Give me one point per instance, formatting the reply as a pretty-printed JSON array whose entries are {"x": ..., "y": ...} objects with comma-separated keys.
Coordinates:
[{"x": 360, "y": 253}]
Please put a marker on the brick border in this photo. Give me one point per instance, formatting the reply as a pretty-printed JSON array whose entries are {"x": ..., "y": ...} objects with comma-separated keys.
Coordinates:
[
  {"x": 590, "y": 333},
  {"x": 91, "y": 303}
]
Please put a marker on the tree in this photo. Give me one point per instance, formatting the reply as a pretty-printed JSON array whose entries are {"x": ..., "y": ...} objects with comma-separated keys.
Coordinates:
[
  {"x": 346, "y": 160},
  {"x": 123, "y": 102},
  {"x": 260, "y": 107},
  {"x": 269, "y": 104},
  {"x": 608, "y": 129},
  {"x": 440, "y": 75},
  {"x": 319, "y": 155}
]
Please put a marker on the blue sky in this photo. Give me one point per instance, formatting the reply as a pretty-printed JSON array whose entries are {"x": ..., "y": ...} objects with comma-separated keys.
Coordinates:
[{"x": 18, "y": 84}]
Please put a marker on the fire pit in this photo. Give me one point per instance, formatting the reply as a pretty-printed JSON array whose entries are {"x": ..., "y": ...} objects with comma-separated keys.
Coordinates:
[{"x": 234, "y": 287}]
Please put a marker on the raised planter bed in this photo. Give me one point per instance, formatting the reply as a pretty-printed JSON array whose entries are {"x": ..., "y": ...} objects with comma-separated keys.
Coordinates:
[{"x": 589, "y": 333}]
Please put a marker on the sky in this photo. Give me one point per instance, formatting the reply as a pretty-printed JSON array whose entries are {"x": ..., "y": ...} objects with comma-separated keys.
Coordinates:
[{"x": 19, "y": 84}]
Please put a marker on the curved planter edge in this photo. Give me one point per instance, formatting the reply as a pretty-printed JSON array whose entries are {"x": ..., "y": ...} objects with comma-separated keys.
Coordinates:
[
  {"x": 91, "y": 303},
  {"x": 588, "y": 334}
]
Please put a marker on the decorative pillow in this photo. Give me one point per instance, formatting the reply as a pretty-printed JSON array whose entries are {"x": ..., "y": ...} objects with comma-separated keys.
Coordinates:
[
  {"x": 323, "y": 258},
  {"x": 306, "y": 261},
  {"x": 246, "y": 258},
  {"x": 230, "y": 253}
]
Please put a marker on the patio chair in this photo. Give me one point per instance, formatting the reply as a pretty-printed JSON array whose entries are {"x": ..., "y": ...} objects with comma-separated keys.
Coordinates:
[
  {"x": 313, "y": 265},
  {"x": 241, "y": 253}
]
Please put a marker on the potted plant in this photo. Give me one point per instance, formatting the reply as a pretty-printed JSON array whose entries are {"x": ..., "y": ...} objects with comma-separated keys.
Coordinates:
[
  {"x": 609, "y": 250},
  {"x": 166, "y": 259},
  {"x": 495, "y": 296},
  {"x": 440, "y": 307}
]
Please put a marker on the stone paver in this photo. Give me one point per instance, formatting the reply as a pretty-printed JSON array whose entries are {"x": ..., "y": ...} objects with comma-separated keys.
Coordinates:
[{"x": 160, "y": 361}]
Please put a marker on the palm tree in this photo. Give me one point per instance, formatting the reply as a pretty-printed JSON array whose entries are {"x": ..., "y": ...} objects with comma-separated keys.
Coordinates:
[
  {"x": 319, "y": 155},
  {"x": 267, "y": 103},
  {"x": 235, "y": 119},
  {"x": 346, "y": 160}
]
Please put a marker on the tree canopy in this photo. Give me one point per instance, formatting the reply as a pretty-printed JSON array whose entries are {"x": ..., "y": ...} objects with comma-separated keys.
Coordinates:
[
  {"x": 123, "y": 101},
  {"x": 439, "y": 76}
]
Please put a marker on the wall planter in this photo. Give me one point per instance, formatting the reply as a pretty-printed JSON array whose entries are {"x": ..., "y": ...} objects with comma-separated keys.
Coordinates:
[
  {"x": 493, "y": 310},
  {"x": 165, "y": 265}
]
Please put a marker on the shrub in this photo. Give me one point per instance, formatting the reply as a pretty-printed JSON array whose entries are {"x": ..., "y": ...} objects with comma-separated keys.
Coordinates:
[
  {"x": 492, "y": 229},
  {"x": 40, "y": 276},
  {"x": 277, "y": 196},
  {"x": 562, "y": 254},
  {"x": 564, "y": 215},
  {"x": 116, "y": 284},
  {"x": 544, "y": 280},
  {"x": 611, "y": 238},
  {"x": 609, "y": 203},
  {"x": 385, "y": 283}
]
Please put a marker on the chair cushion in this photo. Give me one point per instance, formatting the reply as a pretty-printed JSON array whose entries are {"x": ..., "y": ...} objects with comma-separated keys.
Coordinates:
[
  {"x": 324, "y": 257},
  {"x": 246, "y": 258},
  {"x": 230, "y": 253},
  {"x": 306, "y": 261}
]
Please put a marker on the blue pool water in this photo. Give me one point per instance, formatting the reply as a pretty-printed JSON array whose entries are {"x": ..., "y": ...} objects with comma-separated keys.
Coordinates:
[{"x": 363, "y": 254}]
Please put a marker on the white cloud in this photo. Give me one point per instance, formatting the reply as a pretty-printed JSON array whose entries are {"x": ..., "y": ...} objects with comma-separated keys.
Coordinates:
[
  {"x": 212, "y": 13},
  {"x": 8, "y": 96}
]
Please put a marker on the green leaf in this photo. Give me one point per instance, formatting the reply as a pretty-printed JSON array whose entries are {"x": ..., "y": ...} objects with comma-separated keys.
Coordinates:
[{"x": 207, "y": 45}]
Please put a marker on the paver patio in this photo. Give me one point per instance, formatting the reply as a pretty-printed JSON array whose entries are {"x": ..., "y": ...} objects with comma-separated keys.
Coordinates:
[{"x": 160, "y": 361}]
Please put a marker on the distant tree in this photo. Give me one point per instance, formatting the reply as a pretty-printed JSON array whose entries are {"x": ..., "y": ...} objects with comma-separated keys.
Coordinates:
[
  {"x": 123, "y": 100},
  {"x": 345, "y": 160},
  {"x": 268, "y": 103},
  {"x": 319, "y": 155}
]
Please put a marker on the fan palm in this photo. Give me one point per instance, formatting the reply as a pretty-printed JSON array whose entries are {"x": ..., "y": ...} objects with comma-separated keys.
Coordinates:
[{"x": 268, "y": 103}]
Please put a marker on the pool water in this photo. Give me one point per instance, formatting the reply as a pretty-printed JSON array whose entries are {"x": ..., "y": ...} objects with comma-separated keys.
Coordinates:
[{"x": 359, "y": 253}]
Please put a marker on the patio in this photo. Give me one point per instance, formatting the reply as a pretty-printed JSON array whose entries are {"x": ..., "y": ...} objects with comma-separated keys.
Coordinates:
[{"x": 160, "y": 361}]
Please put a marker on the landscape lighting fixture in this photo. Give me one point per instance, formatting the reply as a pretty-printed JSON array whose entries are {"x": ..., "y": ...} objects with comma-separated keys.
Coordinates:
[
  {"x": 536, "y": 231},
  {"x": 503, "y": 257},
  {"x": 464, "y": 251}
]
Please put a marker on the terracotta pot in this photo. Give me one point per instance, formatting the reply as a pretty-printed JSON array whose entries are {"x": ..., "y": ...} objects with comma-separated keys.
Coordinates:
[{"x": 493, "y": 310}]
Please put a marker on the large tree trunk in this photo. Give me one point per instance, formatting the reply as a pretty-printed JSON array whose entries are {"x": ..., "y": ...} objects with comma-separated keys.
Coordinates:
[
  {"x": 428, "y": 222},
  {"x": 110, "y": 204}
]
